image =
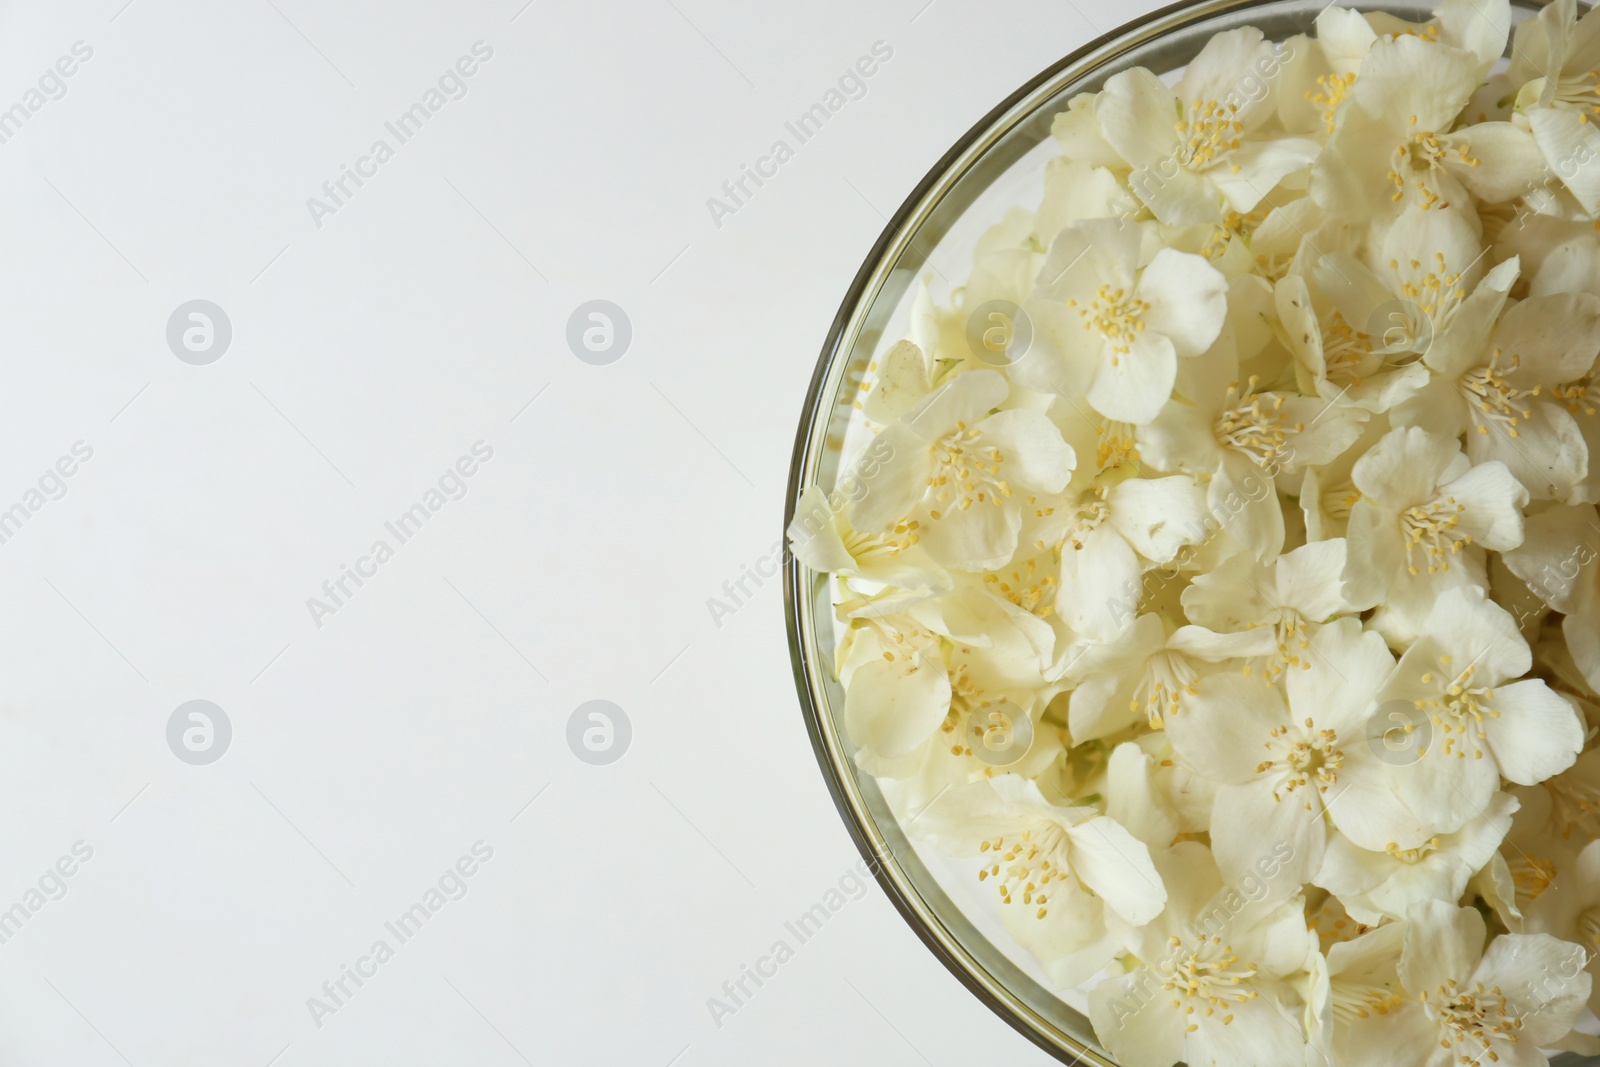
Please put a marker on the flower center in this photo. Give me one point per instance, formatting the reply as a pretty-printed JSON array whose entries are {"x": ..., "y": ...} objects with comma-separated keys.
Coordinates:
[
  {"x": 1300, "y": 755},
  {"x": 1254, "y": 423},
  {"x": 1168, "y": 677},
  {"x": 892, "y": 542},
  {"x": 1578, "y": 92},
  {"x": 1576, "y": 395},
  {"x": 1210, "y": 133},
  {"x": 1574, "y": 804},
  {"x": 966, "y": 473},
  {"x": 1532, "y": 876},
  {"x": 1234, "y": 224},
  {"x": 1431, "y": 534},
  {"x": 1346, "y": 352},
  {"x": 1088, "y": 512},
  {"x": 1206, "y": 977},
  {"x": 1413, "y": 855},
  {"x": 1339, "y": 499},
  {"x": 1290, "y": 629},
  {"x": 1333, "y": 88},
  {"x": 1470, "y": 1021},
  {"x": 1115, "y": 314},
  {"x": 1589, "y": 928},
  {"x": 1026, "y": 587},
  {"x": 1024, "y": 866},
  {"x": 1493, "y": 399},
  {"x": 966, "y": 697},
  {"x": 1460, "y": 711},
  {"x": 1436, "y": 292},
  {"x": 1115, "y": 445},
  {"x": 1354, "y": 1000},
  {"x": 1420, "y": 160}
]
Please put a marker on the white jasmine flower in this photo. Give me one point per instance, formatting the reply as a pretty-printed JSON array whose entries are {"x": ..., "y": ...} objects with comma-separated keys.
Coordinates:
[
  {"x": 1208, "y": 979},
  {"x": 1243, "y": 436},
  {"x": 1108, "y": 534},
  {"x": 1425, "y": 516},
  {"x": 1476, "y": 725},
  {"x": 1148, "y": 674},
  {"x": 1554, "y": 65},
  {"x": 1290, "y": 598},
  {"x": 1283, "y": 764},
  {"x": 823, "y": 539},
  {"x": 1211, "y": 158},
  {"x": 1339, "y": 361},
  {"x": 1357, "y": 1011},
  {"x": 1523, "y": 992},
  {"x": 1498, "y": 395},
  {"x": 1374, "y": 885},
  {"x": 956, "y": 470},
  {"x": 908, "y": 370},
  {"x": 1110, "y": 326},
  {"x": 1570, "y": 910},
  {"x": 1398, "y": 142},
  {"x": 1428, "y": 293},
  {"x": 1044, "y": 860},
  {"x": 1327, "y": 493},
  {"x": 1319, "y": 72}
]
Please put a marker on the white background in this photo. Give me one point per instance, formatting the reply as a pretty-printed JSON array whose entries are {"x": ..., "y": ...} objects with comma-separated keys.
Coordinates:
[{"x": 368, "y": 354}]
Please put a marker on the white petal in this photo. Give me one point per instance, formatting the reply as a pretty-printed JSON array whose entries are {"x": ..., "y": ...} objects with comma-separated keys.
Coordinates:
[
  {"x": 981, "y": 537},
  {"x": 1571, "y": 146},
  {"x": 1261, "y": 166},
  {"x": 1245, "y": 499},
  {"x": 1035, "y": 456},
  {"x": 1509, "y": 161},
  {"x": 1133, "y": 800},
  {"x": 1249, "y": 826},
  {"x": 1475, "y": 630},
  {"x": 1180, "y": 439},
  {"x": 1188, "y": 300},
  {"x": 1543, "y": 978},
  {"x": 1159, "y": 515},
  {"x": 891, "y": 707},
  {"x": 1346, "y": 667},
  {"x": 1404, "y": 468},
  {"x": 893, "y": 480},
  {"x": 1493, "y": 500},
  {"x": 1443, "y": 942},
  {"x": 1538, "y": 733},
  {"x": 1548, "y": 454},
  {"x": 1425, "y": 80},
  {"x": 1311, "y": 578},
  {"x": 1223, "y": 726},
  {"x": 1135, "y": 1022},
  {"x": 1095, "y": 580},
  {"x": 1136, "y": 115},
  {"x": 903, "y": 380},
  {"x": 1132, "y": 386},
  {"x": 813, "y": 536},
  {"x": 1116, "y": 865}
]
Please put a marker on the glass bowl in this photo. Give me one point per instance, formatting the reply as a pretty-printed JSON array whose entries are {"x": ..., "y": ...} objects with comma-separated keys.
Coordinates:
[{"x": 997, "y": 164}]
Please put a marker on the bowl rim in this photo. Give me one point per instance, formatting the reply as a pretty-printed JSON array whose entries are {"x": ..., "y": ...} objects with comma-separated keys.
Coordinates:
[{"x": 808, "y": 666}]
